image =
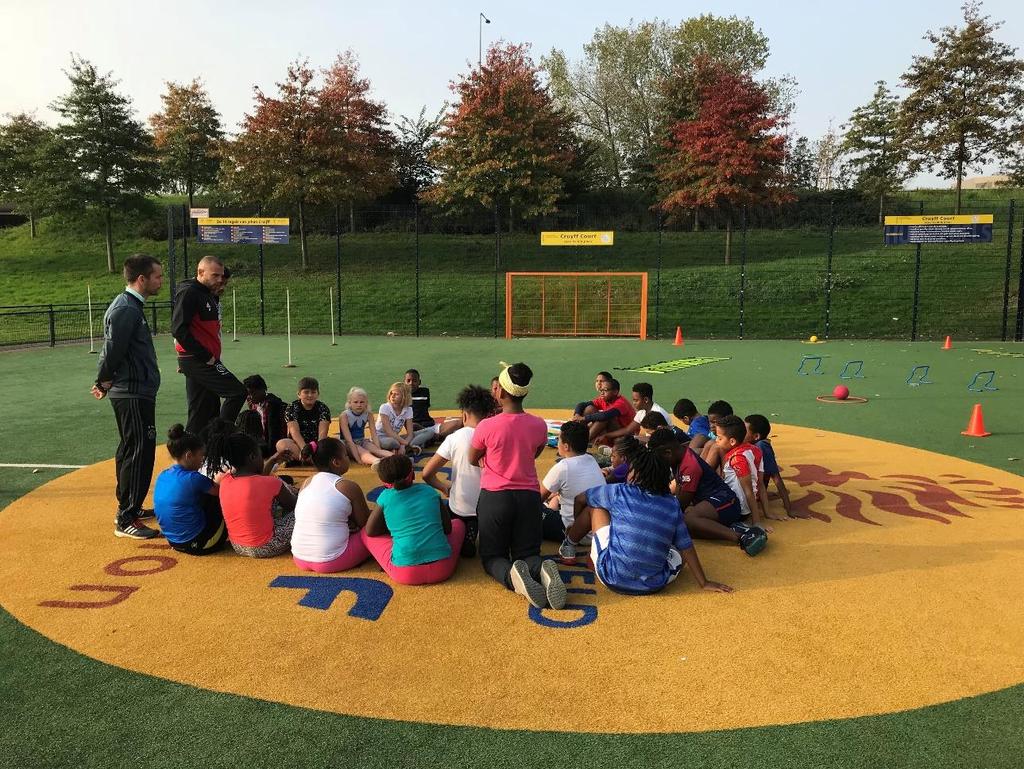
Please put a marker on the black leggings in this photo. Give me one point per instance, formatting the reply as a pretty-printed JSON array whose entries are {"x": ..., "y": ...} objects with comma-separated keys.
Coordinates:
[{"x": 511, "y": 529}]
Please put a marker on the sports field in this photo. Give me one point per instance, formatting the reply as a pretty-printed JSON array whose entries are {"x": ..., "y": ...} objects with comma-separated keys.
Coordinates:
[{"x": 885, "y": 631}]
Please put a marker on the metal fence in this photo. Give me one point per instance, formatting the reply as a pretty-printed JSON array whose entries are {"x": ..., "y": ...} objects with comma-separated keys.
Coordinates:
[{"x": 764, "y": 273}]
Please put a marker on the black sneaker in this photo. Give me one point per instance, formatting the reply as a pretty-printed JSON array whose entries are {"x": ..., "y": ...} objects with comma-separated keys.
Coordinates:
[
  {"x": 554, "y": 586},
  {"x": 753, "y": 540},
  {"x": 135, "y": 530},
  {"x": 524, "y": 584},
  {"x": 146, "y": 513}
]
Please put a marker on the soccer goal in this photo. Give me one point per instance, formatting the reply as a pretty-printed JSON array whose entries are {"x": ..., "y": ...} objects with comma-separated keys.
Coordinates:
[{"x": 576, "y": 304}]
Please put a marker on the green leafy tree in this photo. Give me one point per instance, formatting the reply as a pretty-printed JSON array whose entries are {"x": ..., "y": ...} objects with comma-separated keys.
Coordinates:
[
  {"x": 876, "y": 160},
  {"x": 965, "y": 101},
  {"x": 416, "y": 139},
  {"x": 186, "y": 135},
  {"x": 26, "y": 145},
  {"x": 801, "y": 165},
  {"x": 111, "y": 153},
  {"x": 504, "y": 142}
]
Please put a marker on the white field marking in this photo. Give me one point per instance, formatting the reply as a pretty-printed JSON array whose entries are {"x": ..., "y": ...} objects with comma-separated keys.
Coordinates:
[{"x": 56, "y": 467}]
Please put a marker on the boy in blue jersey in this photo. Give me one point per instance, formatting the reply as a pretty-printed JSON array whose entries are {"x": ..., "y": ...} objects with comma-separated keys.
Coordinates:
[
  {"x": 698, "y": 428},
  {"x": 710, "y": 508},
  {"x": 758, "y": 430},
  {"x": 640, "y": 541}
]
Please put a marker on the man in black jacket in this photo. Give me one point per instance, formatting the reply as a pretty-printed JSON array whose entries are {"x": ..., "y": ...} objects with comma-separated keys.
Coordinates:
[
  {"x": 195, "y": 325},
  {"x": 129, "y": 376}
]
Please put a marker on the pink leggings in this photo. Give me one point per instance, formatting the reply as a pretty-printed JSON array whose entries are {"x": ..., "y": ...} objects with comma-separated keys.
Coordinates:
[
  {"x": 355, "y": 553},
  {"x": 421, "y": 573}
]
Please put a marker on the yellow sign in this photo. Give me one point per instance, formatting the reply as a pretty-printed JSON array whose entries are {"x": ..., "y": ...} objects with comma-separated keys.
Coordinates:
[
  {"x": 604, "y": 238},
  {"x": 941, "y": 219},
  {"x": 251, "y": 221}
]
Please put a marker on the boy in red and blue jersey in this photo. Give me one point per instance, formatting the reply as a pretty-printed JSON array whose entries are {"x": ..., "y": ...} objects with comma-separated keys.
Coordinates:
[
  {"x": 743, "y": 468},
  {"x": 710, "y": 508},
  {"x": 758, "y": 430}
]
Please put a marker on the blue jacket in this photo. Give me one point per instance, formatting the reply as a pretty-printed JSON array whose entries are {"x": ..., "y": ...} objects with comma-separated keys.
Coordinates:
[{"x": 128, "y": 357}]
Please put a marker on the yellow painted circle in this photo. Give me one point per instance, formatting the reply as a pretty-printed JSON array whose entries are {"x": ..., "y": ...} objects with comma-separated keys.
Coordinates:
[{"x": 904, "y": 592}]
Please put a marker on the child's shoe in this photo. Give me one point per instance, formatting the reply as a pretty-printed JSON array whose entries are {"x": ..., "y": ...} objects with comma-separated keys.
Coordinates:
[
  {"x": 753, "y": 540},
  {"x": 524, "y": 584},
  {"x": 553, "y": 585},
  {"x": 567, "y": 550}
]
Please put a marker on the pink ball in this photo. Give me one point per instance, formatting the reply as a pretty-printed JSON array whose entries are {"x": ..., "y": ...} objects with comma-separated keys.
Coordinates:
[{"x": 842, "y": 392}]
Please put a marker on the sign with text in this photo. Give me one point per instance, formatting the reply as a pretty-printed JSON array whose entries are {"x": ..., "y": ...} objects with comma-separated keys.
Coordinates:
[
  {"x": 243, "y": 230},
  {"x": 605, "y": 238},
  {"x": 942, "y": 228},
  {"x": 199, "y": 213}
]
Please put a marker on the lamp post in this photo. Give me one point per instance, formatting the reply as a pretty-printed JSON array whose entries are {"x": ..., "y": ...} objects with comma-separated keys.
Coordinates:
[{"x": 480, "y": 43}]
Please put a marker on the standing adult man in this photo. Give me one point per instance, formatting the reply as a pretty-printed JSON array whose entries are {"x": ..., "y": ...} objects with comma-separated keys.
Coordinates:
[
  {"x": 195, "y": 325},
  {"x": 129, "y": 376}
]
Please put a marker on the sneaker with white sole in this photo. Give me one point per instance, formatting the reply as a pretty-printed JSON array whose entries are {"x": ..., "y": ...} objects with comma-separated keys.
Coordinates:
[
  {"x": 551, "y": 580},
  {"x": 135, "y": 530},
  {"x": 524, "y": 584},
  {"x": 567, "y": 550},
  {"x": 753, "y": 540}
]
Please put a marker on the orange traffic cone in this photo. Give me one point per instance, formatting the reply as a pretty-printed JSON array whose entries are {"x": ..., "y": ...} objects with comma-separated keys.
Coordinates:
[
  {"x": 948, "y": 344},
  {"x": 679, "y": 337},
  {"x": 976, "y": 424}
]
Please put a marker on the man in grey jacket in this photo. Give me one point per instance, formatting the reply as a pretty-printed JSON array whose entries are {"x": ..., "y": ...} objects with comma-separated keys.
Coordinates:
[{"x": 129, "y": 376}]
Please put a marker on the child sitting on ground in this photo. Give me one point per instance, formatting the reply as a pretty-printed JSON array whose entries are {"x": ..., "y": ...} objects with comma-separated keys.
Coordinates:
[
  {"x": 698, "y": 428},
  {"x": 606, "y": 413},
  {"x": 409, "y": 532},
  {"x": 394, "y": 417},
  {"x": 269, "y": 407},
  {"x": 758, "y": 429},
  {"x": 618, "y": 470},
  {"x": 710, "y": 453},
  {"x": 463, "y": 486},
  {"x": 308, "y": 418},
  {"x": 248, "y": 501},
  {"x": 185, "y": 500},
  {"x": 742, "y": 469},
  {"x": 248, "y": 423},
  {"x": 648, "y": 544},
  {"x": 710, "y": 508},
  {"x": 643, "y": 405},
  {"x": 360, "y": 442},
  {"x": 421, "y": 419},
  {"x": 577, "y": 472},
  {"x": 328, "y": 513}
]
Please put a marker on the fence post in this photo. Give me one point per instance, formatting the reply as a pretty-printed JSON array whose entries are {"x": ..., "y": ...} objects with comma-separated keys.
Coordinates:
[
  {"x": 170, "y": 246},
  {"x": 153, "y": 329},
  {"x": 53, "y": 329},
  {"x": 657, "y": 283},
  {"x": 416, "y": 224},
  {"x": 1009, "y": 258},
  {"x": 1019, "y": 335},
  {"x": 184, "y": 238},
  {"x": 828, "y": 268},
  {"x": 917, "y": 282},
  {"x": 497, "y": 261},
  {"x": 743, "y": 268},
  {"x": 337, "y": 261},
  {"x": 263, "y": 312}
]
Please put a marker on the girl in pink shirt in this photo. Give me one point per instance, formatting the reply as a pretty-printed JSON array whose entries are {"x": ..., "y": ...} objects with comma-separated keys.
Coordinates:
[{"x": 505, "y": 447}]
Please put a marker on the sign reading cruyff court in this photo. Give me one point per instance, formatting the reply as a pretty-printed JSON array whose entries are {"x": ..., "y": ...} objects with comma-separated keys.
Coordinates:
[
  {"x": 940, "y": 228},
  {"x": 244, "y": 229},
  {"x": 602, "y": 238}
]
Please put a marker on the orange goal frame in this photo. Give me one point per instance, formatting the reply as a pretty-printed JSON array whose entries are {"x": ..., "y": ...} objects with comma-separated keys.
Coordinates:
[{"x": 608, "y": 331}]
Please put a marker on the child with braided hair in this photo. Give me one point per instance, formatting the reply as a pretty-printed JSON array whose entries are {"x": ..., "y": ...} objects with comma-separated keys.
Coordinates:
[{"x": 640, "y": 541}]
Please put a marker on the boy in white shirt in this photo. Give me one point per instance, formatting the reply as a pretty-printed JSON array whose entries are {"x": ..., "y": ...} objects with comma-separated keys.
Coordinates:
[
  {"x": 463, "y": 488},
  {"x": 577, "y": 472}
]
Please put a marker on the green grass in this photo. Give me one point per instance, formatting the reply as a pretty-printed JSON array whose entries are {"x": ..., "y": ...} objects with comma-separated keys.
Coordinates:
[
  {"x": 783, "y": 292},
  {"x": 60, "y": 709}
]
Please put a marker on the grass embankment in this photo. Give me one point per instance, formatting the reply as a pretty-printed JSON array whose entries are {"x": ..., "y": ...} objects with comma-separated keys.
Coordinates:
[{"x": 783, "y": 293}]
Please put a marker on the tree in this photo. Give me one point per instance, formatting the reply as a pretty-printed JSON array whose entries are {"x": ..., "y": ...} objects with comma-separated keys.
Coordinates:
[
  {"x": 186, "y": 135},
  {"x": 828, "y": 152},
  {"x": 416, "y": 139},
  {"x": 504, "y": 142},
  {"x": 876, "y": 161},
  {"x": 112, "y": 155},
  {"x": 801, "y": 165},
  {"x": 25, "y": 150},
  {"x": 730, "y": 155},
  {"x": 965, "y": 100},
  {"x": 311, "y": 144}
]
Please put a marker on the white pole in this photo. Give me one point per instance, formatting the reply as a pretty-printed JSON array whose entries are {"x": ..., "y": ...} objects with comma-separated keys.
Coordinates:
[
  {"x": 331, "y": 290},
  {"x": 92, "y": 339},
  {"x": 288, "y": 317},
  {"x": 234, "y": 318}
]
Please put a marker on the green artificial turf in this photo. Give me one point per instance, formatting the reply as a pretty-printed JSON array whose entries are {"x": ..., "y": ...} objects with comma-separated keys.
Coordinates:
[{"x": 61, "y": 709}]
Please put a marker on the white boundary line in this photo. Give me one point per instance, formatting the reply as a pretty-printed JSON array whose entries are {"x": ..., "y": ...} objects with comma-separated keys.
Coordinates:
[{"x": 57, "y": 467}]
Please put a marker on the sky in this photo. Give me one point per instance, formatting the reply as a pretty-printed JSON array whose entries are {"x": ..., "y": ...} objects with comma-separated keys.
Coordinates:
[{"x": 411, "y": 51}]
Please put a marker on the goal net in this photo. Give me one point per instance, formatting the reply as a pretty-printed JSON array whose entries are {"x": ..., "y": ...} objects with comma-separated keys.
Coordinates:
[{"x": 576, "y": 304}]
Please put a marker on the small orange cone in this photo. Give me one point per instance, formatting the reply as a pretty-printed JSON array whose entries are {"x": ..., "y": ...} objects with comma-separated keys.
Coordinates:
[
  {"x": 976, "y": 424},
  {"x": 948, "y": 344},
  {"x": 679, "y": 337}
]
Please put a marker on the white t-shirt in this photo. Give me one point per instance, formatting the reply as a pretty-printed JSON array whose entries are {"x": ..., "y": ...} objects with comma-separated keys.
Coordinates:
[
  {"x": 654, "y": 407},
  {"x": 572, "y": 476},
  {"x": 465, "y": 476},
  {"x": 397, "y": 420},
  {"x": 321, "y": 520}
]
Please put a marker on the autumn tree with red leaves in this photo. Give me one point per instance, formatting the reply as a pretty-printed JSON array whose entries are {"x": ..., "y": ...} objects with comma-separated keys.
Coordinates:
[
  {"x": 504, "y": 143},
  {"x": 311, "y": 144},
  {"x": 730, "y": 155},
  {"x": 186, "y": 135}
]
